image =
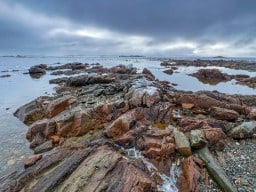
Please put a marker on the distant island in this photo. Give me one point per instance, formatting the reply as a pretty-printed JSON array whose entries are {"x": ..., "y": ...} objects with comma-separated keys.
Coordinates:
[
  {"x": 17, "y": 56},
  {"x": 219, "y": 57},
  {"x": 131, "y": 56}
]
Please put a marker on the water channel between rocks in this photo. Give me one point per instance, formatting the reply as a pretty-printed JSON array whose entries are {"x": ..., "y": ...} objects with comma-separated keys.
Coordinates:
[{"x": 169, "y": 182}]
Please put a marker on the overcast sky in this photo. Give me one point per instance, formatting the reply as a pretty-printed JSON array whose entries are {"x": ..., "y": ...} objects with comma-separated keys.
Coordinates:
[{"x": 114, "y": 27}]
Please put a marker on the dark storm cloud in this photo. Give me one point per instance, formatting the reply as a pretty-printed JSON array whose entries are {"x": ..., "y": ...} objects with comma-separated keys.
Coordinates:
[
  {"x": 166, "y": 17},
  {"x": 201, "y": 25}
]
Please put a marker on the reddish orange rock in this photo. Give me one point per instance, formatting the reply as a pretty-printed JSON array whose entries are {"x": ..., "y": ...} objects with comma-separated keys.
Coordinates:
[
  {"x": 55, "y": 139},
  {"x": 187, "y": 105},
  {"x": 188, "y": 181}
]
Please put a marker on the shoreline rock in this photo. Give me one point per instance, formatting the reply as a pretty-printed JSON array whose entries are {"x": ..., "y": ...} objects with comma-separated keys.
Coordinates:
[{"x": 99, "y": 115}]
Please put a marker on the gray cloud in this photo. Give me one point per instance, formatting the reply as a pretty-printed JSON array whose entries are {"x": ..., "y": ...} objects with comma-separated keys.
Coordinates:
[{"x": 145, "y": 26}]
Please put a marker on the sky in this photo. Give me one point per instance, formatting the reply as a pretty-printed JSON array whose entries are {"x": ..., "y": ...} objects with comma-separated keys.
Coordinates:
[{"x": 132, "y": 27}]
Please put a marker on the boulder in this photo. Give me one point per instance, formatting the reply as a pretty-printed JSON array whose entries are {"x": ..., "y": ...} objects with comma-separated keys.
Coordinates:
[
  {"x": 168, "y": 71},
  {"x": 215, "y": 137},
  {"x": 37, "y": 69},
  {"x": 224, "y": 114},
  {"x": 182, "y": 143},
  {"x": 148, "y": 74},
  {"x": 243, "y": 131},
  {"x": 197, "y": 139}
]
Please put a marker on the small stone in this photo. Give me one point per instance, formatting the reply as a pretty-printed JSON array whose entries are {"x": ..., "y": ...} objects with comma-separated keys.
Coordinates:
[
  {"x": 11, "y": 162},
  {"x": 55, "y": 139}
]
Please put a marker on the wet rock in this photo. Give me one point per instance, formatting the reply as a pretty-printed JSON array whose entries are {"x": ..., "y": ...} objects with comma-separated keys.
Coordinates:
[
  {"x": 5, "y": 76},
  {"x": 38, "y": 69},
  {"x": 167, "y": 63},
  {"x": 197, "y": 139},
  {"x": 148, "y": 74},
  {"x": 182, "y": 143},
  {"x": 46, "y": 146},
  {"x": 245, "y": 130},
  {"x": 31, "y": 160},
  {"x": 211, "y": 76},
  {"x": 168, "y": 71},
  {"x": 224, "y": 114}
]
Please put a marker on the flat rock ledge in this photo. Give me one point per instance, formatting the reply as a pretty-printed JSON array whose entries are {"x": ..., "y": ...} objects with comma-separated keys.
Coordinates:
[{"x": 82, "y": 134}]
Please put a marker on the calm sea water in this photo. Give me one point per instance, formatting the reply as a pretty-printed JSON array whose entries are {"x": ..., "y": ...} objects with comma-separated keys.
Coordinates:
[{"x": 20, "y": 88}]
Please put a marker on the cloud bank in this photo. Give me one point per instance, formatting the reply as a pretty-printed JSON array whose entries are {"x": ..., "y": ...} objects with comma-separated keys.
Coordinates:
[{"x": 113, "y": 27}]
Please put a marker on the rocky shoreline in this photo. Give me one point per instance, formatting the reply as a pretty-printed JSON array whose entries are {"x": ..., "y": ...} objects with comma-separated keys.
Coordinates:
[{"x": 83, "y": 136}]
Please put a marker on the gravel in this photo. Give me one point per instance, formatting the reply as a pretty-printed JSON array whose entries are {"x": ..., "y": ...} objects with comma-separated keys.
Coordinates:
[{"x": 238, "y": 159}]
